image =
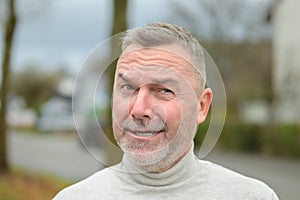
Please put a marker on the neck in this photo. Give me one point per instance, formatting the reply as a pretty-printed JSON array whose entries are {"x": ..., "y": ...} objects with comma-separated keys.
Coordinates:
[
  {"x": 158, "y": 170},
  {"x": 180, "y": 170}
]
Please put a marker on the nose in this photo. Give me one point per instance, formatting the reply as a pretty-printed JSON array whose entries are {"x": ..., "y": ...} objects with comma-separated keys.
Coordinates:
[{"x": 141, "y": 104}]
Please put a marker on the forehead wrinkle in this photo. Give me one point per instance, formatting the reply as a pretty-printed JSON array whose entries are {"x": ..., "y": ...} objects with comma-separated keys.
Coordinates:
[
  {"x": 152, "y": 57},
  {"x": 164, "y": 58},
  {"x": 169, "y": 80},
  {"x": 159, "y": 80},
  {"x": 163, "y": 68}
]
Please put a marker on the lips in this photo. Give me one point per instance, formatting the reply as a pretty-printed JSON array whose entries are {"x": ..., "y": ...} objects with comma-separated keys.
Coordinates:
[
  {"x": 143, "y": 133},
  {"x": 146, "y": 134}
]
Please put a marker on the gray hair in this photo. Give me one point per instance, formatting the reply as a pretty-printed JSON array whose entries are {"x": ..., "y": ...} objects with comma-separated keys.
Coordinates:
[{"x": 157, "y": 34}]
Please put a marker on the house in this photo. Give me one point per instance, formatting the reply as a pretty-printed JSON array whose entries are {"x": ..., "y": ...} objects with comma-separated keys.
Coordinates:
[
  {"x": 56, "y": 113},
  {"x": 286, "y": 60},
  {"x": 18, "y": 115}
]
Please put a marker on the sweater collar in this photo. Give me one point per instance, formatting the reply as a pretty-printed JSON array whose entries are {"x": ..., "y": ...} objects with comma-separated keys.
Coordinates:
[{"x": 180, "y": 172}]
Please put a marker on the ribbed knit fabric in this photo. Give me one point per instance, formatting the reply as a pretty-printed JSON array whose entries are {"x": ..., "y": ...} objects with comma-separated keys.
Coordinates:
[{"x": 189, "y": 179}]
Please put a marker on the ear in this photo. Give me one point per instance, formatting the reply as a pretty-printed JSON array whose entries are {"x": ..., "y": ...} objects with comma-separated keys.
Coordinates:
[{"x": 204, "y": 104}]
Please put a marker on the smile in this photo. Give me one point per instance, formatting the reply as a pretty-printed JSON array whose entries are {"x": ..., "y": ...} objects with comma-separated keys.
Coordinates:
[
  {"x": 143, "y": 133},
  {"x": 146, "y": 134}
]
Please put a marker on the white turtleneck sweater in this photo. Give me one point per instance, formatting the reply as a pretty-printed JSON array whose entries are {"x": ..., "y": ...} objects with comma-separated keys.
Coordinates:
[{"x": 190, "y": 179}]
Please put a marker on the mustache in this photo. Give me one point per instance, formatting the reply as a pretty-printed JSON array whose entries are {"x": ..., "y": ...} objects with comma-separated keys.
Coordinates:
[{"x": 139, "y": 125}]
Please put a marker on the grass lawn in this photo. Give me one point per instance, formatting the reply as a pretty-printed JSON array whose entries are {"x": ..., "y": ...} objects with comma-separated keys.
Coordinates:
[{"x": 21, "y": 186}]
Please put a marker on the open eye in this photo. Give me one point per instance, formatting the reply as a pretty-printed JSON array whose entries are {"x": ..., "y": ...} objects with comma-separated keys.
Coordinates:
[
  {"x": 127, "y": 87},
  {"x": 164, "y": 93},
  {"x": 165, "y": 90}
]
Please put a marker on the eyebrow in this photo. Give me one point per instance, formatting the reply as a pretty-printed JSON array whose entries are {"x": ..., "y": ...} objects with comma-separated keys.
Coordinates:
[
  {"x": 123, "y": 77},
  {"x": 166, "y": 80}
]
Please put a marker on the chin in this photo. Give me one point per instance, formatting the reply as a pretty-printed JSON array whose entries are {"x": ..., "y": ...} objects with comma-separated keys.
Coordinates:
[{"x": 150, "y": 158}]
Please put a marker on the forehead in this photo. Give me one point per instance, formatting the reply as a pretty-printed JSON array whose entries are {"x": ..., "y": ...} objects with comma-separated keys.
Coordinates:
[{"x": 157, "y": 61}]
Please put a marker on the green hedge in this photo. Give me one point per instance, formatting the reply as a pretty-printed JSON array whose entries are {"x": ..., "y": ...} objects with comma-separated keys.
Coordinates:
[{"x": 274, "y": 139}]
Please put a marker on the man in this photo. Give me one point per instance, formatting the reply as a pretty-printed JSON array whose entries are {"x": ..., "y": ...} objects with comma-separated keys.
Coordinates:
[{"x": 159, "y": 98}]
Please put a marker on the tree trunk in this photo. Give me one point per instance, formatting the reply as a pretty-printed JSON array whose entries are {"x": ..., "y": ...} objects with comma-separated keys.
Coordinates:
[
  {"x": 9, "y": 33},
  {"x": 119, "y": 25}
]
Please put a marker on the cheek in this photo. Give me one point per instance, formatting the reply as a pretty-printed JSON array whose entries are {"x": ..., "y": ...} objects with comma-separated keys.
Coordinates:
[
  {"x": 180, "y": 117},
  {"x": 173, "y": 114},
  {"x": 119, "y": 109}
]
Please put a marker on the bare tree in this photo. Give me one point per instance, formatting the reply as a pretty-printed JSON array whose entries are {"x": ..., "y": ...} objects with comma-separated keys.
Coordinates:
[
  {"x": 119, "y": 25},
  {"x": 223, "y": 21},
  {"x": 9, "y": 33},
  {"x": 222, "y": 16}
]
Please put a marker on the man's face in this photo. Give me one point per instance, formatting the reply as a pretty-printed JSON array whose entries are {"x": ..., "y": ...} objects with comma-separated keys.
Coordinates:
[{"x": 155, "y": 108}]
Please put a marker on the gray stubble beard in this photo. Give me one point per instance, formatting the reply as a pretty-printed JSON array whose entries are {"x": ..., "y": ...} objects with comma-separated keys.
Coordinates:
[{"x": 161, "y": 158}]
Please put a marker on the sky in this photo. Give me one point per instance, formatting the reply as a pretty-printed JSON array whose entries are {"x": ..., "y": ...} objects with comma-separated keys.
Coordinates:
[{"x": 61, "y": 33}]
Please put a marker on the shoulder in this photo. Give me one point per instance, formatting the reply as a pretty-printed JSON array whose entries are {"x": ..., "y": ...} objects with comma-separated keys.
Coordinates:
[
  {"x": 93, "y": 187},
  {"x": 235, "y": 183}
]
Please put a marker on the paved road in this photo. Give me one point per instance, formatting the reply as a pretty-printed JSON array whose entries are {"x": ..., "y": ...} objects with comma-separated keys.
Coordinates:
[
  {"x": 54, "y": 154},
  {"x": 62, "y": 155}
]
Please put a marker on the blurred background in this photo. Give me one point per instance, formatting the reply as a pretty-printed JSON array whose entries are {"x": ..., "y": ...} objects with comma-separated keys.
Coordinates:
[{"x": 255, "y": 44}]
